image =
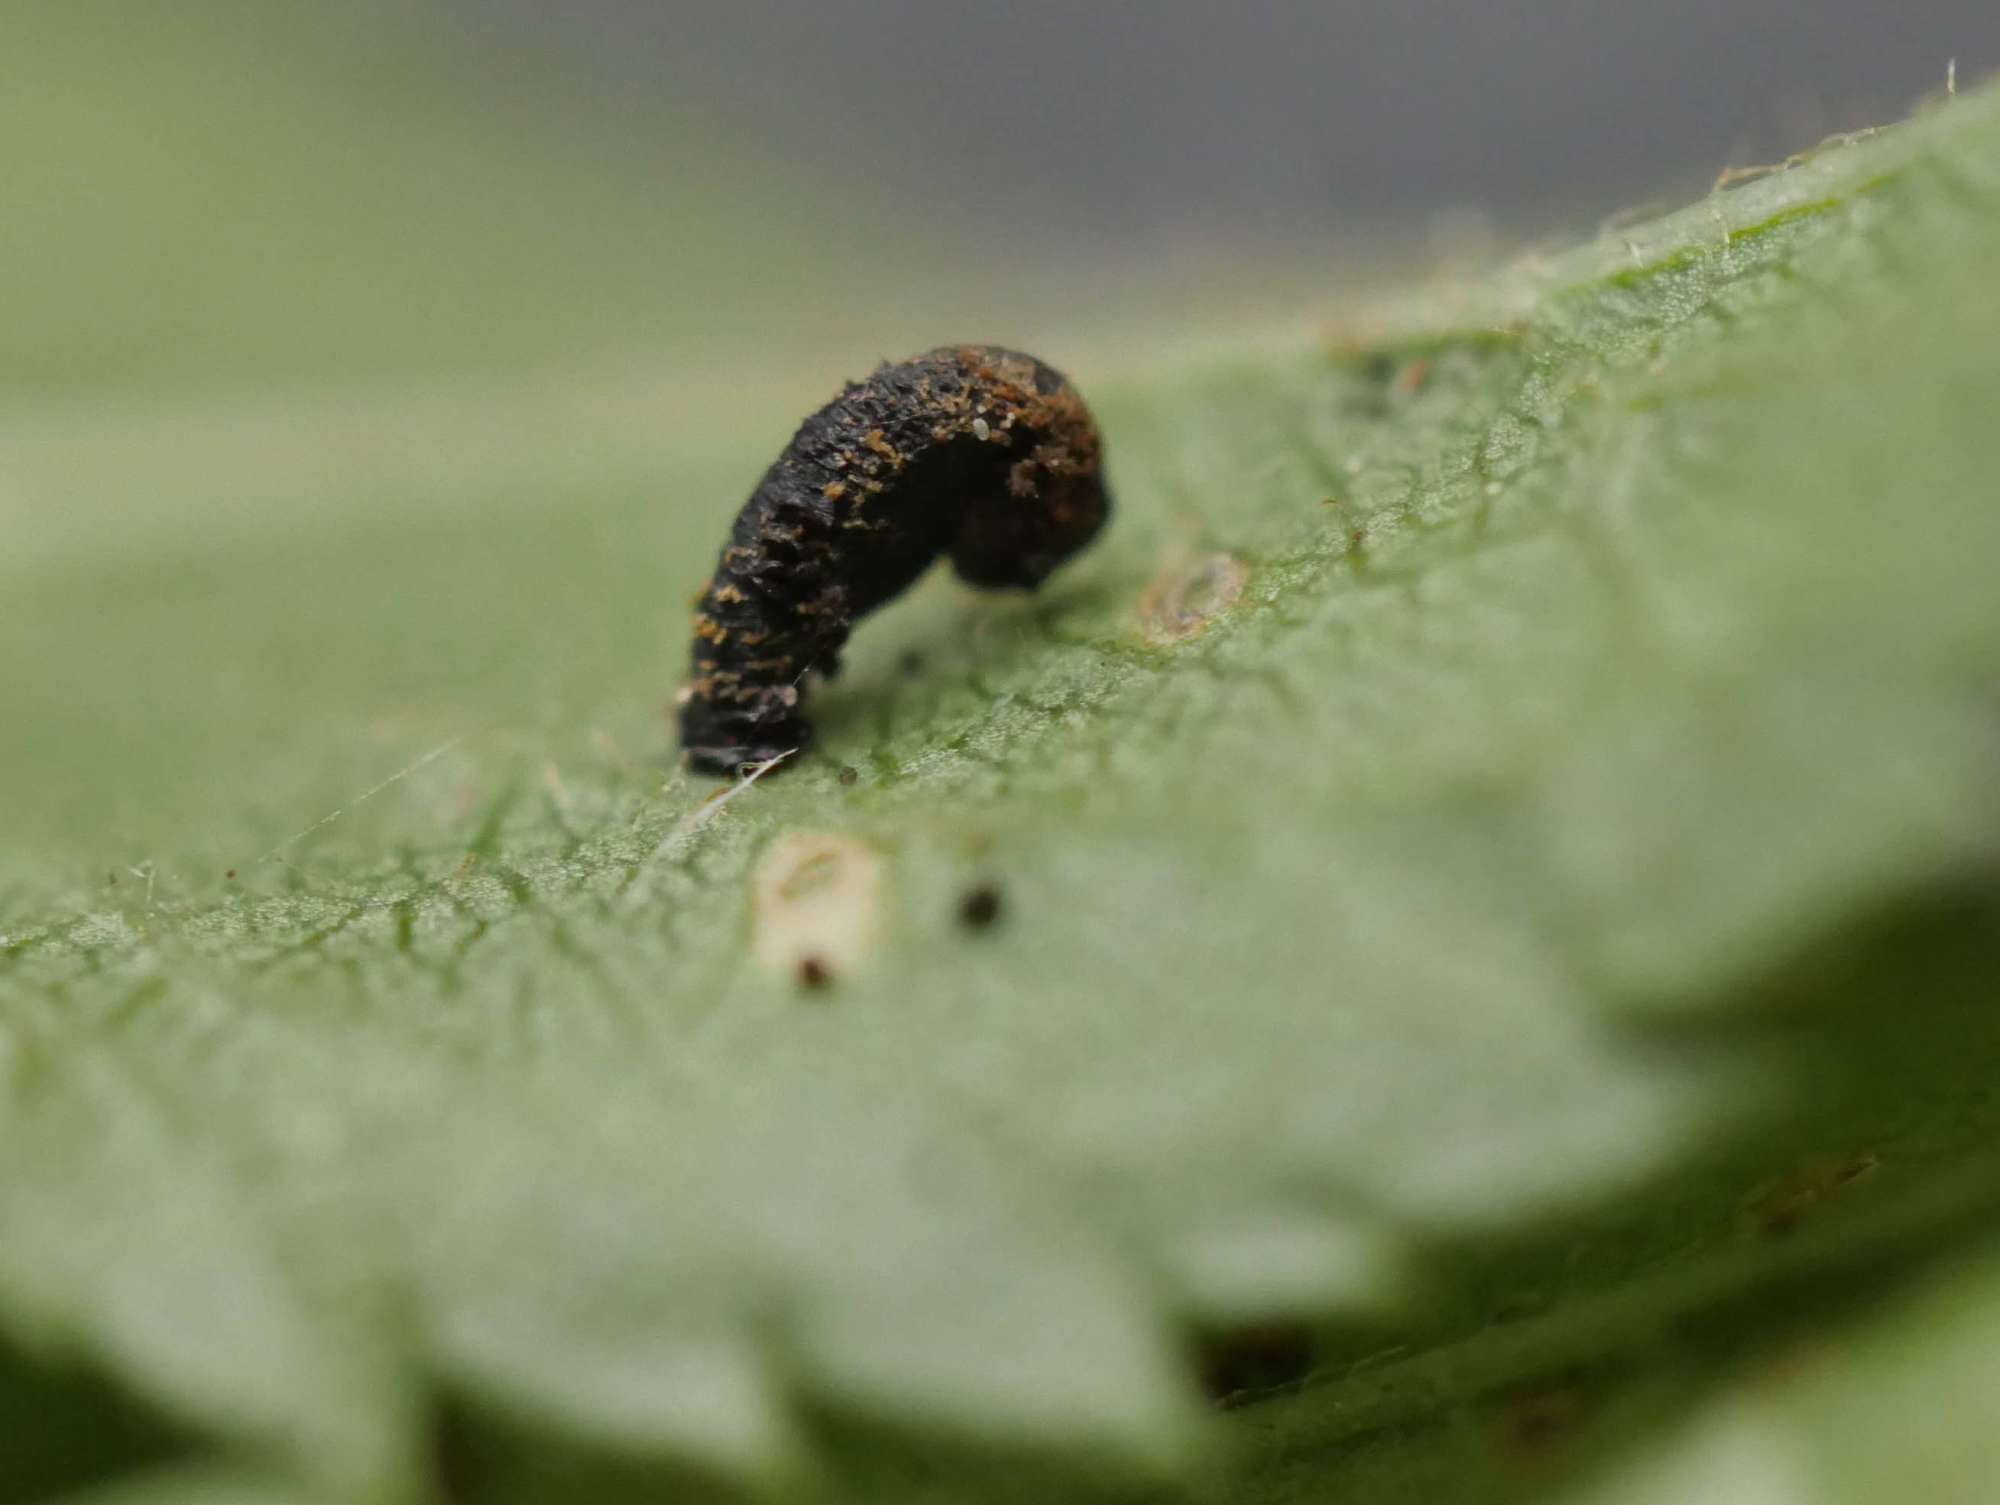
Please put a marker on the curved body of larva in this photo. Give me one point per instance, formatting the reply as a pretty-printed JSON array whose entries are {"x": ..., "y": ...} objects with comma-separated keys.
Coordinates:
[{"x": 985, "y": 454}]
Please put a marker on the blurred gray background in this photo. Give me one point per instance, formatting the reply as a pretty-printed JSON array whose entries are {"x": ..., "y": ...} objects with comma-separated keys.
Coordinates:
[
  {"x": 1269, "y": 119},
  {"x": 230, "y": 194}
]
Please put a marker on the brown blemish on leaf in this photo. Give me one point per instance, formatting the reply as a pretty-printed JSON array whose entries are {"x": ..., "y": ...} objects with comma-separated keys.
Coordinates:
[
  {"x": 1539, "y": 1422},
  {"x": 1777, "y": 1207},
  {"x": 1246, "y": 1363},
  {"x": 816, "y": 903},
  {"x": 1187, "y": 595},
  {"x": 1800, "y": 1360}
]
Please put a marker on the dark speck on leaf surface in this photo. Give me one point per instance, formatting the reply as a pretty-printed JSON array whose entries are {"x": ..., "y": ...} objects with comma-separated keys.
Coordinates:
[
  {"x": 980, "y": 906},
  {"x": 1241, "y": 1365}
]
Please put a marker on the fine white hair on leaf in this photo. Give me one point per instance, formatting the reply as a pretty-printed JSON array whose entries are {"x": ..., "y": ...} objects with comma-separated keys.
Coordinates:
[
  {"x": 713, "y": 806},
  {"x": 360, "y": 799},
  {"x": 681, "y": 836}
]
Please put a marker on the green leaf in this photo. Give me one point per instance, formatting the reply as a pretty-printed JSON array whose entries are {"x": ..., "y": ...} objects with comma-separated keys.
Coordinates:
[
  {"x": 1495, "y": 846},
  {"x": 1900, "y": 1408}
]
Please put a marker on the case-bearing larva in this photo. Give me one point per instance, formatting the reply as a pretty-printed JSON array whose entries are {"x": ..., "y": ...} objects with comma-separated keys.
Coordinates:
[{"x": 982, "y": 453}]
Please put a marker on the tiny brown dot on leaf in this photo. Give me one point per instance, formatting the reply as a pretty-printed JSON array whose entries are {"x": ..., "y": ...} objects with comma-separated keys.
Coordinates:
[
  {"x": 1540, "y": 1421},
  {"x": 1778, "y": 1207},
  {"x": 814, "y": 973}
]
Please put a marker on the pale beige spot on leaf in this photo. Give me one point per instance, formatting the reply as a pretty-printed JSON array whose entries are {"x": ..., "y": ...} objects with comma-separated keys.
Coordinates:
[
  {"x": 816, "y": 902},
  {"x": 1189, "y": 594}
]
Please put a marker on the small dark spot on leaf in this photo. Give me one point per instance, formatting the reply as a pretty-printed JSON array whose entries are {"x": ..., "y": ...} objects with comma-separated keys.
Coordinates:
[
  {"x": 1799, "y": 1359},
  {"x": 980, "y": 906},
  {"x": 231, "y": 874},
  {"x": 1536, "y": 1422},
  {"x": 909, "y": 661},
  {"x": 849, "y": 776},
  {"x": 814, "y": 973},
  {"x": 455, "y": 1459},
  {"x": 1239, "y": 1365}
]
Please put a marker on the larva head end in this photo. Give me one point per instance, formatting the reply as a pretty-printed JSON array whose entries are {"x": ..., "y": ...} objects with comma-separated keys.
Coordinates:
[{"x": 1019, "y": 542}]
